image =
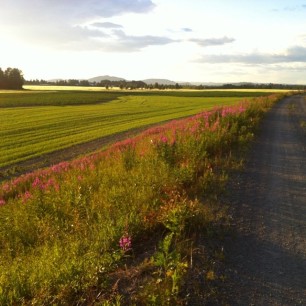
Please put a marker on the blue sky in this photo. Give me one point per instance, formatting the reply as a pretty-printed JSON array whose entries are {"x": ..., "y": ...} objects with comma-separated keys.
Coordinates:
[{"x": 195, "y": 40}]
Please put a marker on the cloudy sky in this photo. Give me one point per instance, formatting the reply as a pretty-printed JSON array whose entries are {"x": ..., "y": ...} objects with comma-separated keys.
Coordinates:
[{"x": 194, "y": 40}]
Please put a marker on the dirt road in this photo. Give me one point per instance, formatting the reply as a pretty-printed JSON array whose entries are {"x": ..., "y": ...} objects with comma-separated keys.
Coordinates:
[{"x": 266, "y": 255}]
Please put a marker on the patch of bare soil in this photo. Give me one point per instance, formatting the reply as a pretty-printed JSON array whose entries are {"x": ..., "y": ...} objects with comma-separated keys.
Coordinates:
[{"x": 266, "y": 253}]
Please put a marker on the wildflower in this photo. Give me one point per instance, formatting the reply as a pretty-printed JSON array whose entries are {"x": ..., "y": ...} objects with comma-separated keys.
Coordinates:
[
  {"x": 40, "y": 185},
  {"x": 26, "y": 196},
  {"x": 125, "y": 242},
  {"x": 36, "y": 182},
  {"x": 51, "y": 183},
  {"x": 61, "y": 167},
  {"x": 164, "y": 139},
  {"x": 2, "y": 202}
]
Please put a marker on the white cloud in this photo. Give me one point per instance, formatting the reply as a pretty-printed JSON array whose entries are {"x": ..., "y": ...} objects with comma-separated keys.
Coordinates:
[
  {"x": 32, "y": 11},
  {"x": 186, "y": 30},
  {"x": 213, "y": 41},
  {"x": 293, "y": 54},
  {"x": 60, "y": 24},
  {"x": 106, "y": 25},
  {"x": 294, "y": 8},
  {"x": 121, "y": 42}
]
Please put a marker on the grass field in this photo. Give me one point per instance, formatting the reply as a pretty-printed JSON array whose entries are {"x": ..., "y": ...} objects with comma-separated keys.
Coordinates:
[
  {"x": 60, "y": 96},
  {"x": 36, "y": 123},
  {"x": 130, "y": 225}
]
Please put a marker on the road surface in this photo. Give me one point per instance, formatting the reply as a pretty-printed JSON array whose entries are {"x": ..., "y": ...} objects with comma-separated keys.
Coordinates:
[{"x": 266, "y": 255}]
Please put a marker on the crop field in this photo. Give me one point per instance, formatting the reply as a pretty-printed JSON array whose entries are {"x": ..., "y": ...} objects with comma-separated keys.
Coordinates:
[
  {"x": 59, "y": 97},
  {"x": 35, "y": 123},
  {"x": 101, "y": 89}
]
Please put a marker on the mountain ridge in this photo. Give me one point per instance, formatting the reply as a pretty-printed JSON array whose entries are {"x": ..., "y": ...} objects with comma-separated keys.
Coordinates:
[{"x": 105, "y": 77}]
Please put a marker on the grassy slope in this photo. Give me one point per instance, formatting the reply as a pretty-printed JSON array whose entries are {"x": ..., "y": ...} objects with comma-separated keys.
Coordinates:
[
  {"x": 61, "y": 227},
  {"x": 28, "y": 132}
]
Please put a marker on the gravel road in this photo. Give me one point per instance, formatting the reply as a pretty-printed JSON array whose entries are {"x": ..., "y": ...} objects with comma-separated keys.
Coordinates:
[{"x": 266, "y": 255}]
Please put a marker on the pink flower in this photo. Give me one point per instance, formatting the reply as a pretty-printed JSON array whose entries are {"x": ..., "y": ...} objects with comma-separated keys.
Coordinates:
[
  {"x": 26, "y": 196},
  {"x": 51, "y": 183},
  {"x": 39, "y": 184},
  {"x": 164, "y": 139},
  {"x": 2, "y": 202},
  {"x": 61, "y": 167},
  {"x": 36, "y": 182},
  {"x": 125, "y": 242}
]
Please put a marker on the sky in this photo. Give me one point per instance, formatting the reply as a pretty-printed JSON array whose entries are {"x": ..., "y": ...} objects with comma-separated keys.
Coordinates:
[{"x": 219, "y": 41}]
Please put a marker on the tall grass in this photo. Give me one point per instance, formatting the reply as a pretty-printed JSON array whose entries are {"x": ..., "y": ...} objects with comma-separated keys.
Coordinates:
[{"x": 68, "y": 231}]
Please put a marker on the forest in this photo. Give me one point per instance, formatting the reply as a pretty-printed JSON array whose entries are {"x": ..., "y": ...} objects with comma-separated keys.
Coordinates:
[{"x": 11, "y": 78}]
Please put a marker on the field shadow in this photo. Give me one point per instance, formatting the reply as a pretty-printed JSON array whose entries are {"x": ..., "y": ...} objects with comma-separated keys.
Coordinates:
[{"x": 263, "y": 273}]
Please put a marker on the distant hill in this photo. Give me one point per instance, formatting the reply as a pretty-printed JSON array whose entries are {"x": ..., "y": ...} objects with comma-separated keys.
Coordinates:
[
  {"x": 200, "y": 83},
  {"x": 55, "y": 80},
  {"x": 147, "y": 81},
  {"x": 152, "y": 81},
  {"x": 159, "y": 81},
  {"x": 105, "y": 77},
  {"x": 116, "y": 79}
]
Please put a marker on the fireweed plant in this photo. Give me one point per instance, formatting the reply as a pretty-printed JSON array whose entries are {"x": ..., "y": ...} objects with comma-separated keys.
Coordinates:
[{"x": 67, "y": 230}]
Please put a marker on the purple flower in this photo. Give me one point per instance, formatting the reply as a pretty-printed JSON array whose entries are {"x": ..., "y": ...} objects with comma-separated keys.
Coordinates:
[
  {"x": 125, "y": 243},
  {"x": 164, "y": 139}
]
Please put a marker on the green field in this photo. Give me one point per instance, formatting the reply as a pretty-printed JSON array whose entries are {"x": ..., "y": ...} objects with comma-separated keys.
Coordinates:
[
  {"x": 35, "y": 123},
  {"x": 54, "y": 97}
]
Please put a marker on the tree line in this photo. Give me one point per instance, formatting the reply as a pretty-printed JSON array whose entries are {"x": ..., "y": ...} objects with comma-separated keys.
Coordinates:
[
  {"x": 11, "y": 78},
  {"x": 123, "y": 84}
]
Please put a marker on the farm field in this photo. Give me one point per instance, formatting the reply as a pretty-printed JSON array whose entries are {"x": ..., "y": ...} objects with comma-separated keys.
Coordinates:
[
  {"x": 99, "y": 89},
  {"x": 35, "y": 123}
]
